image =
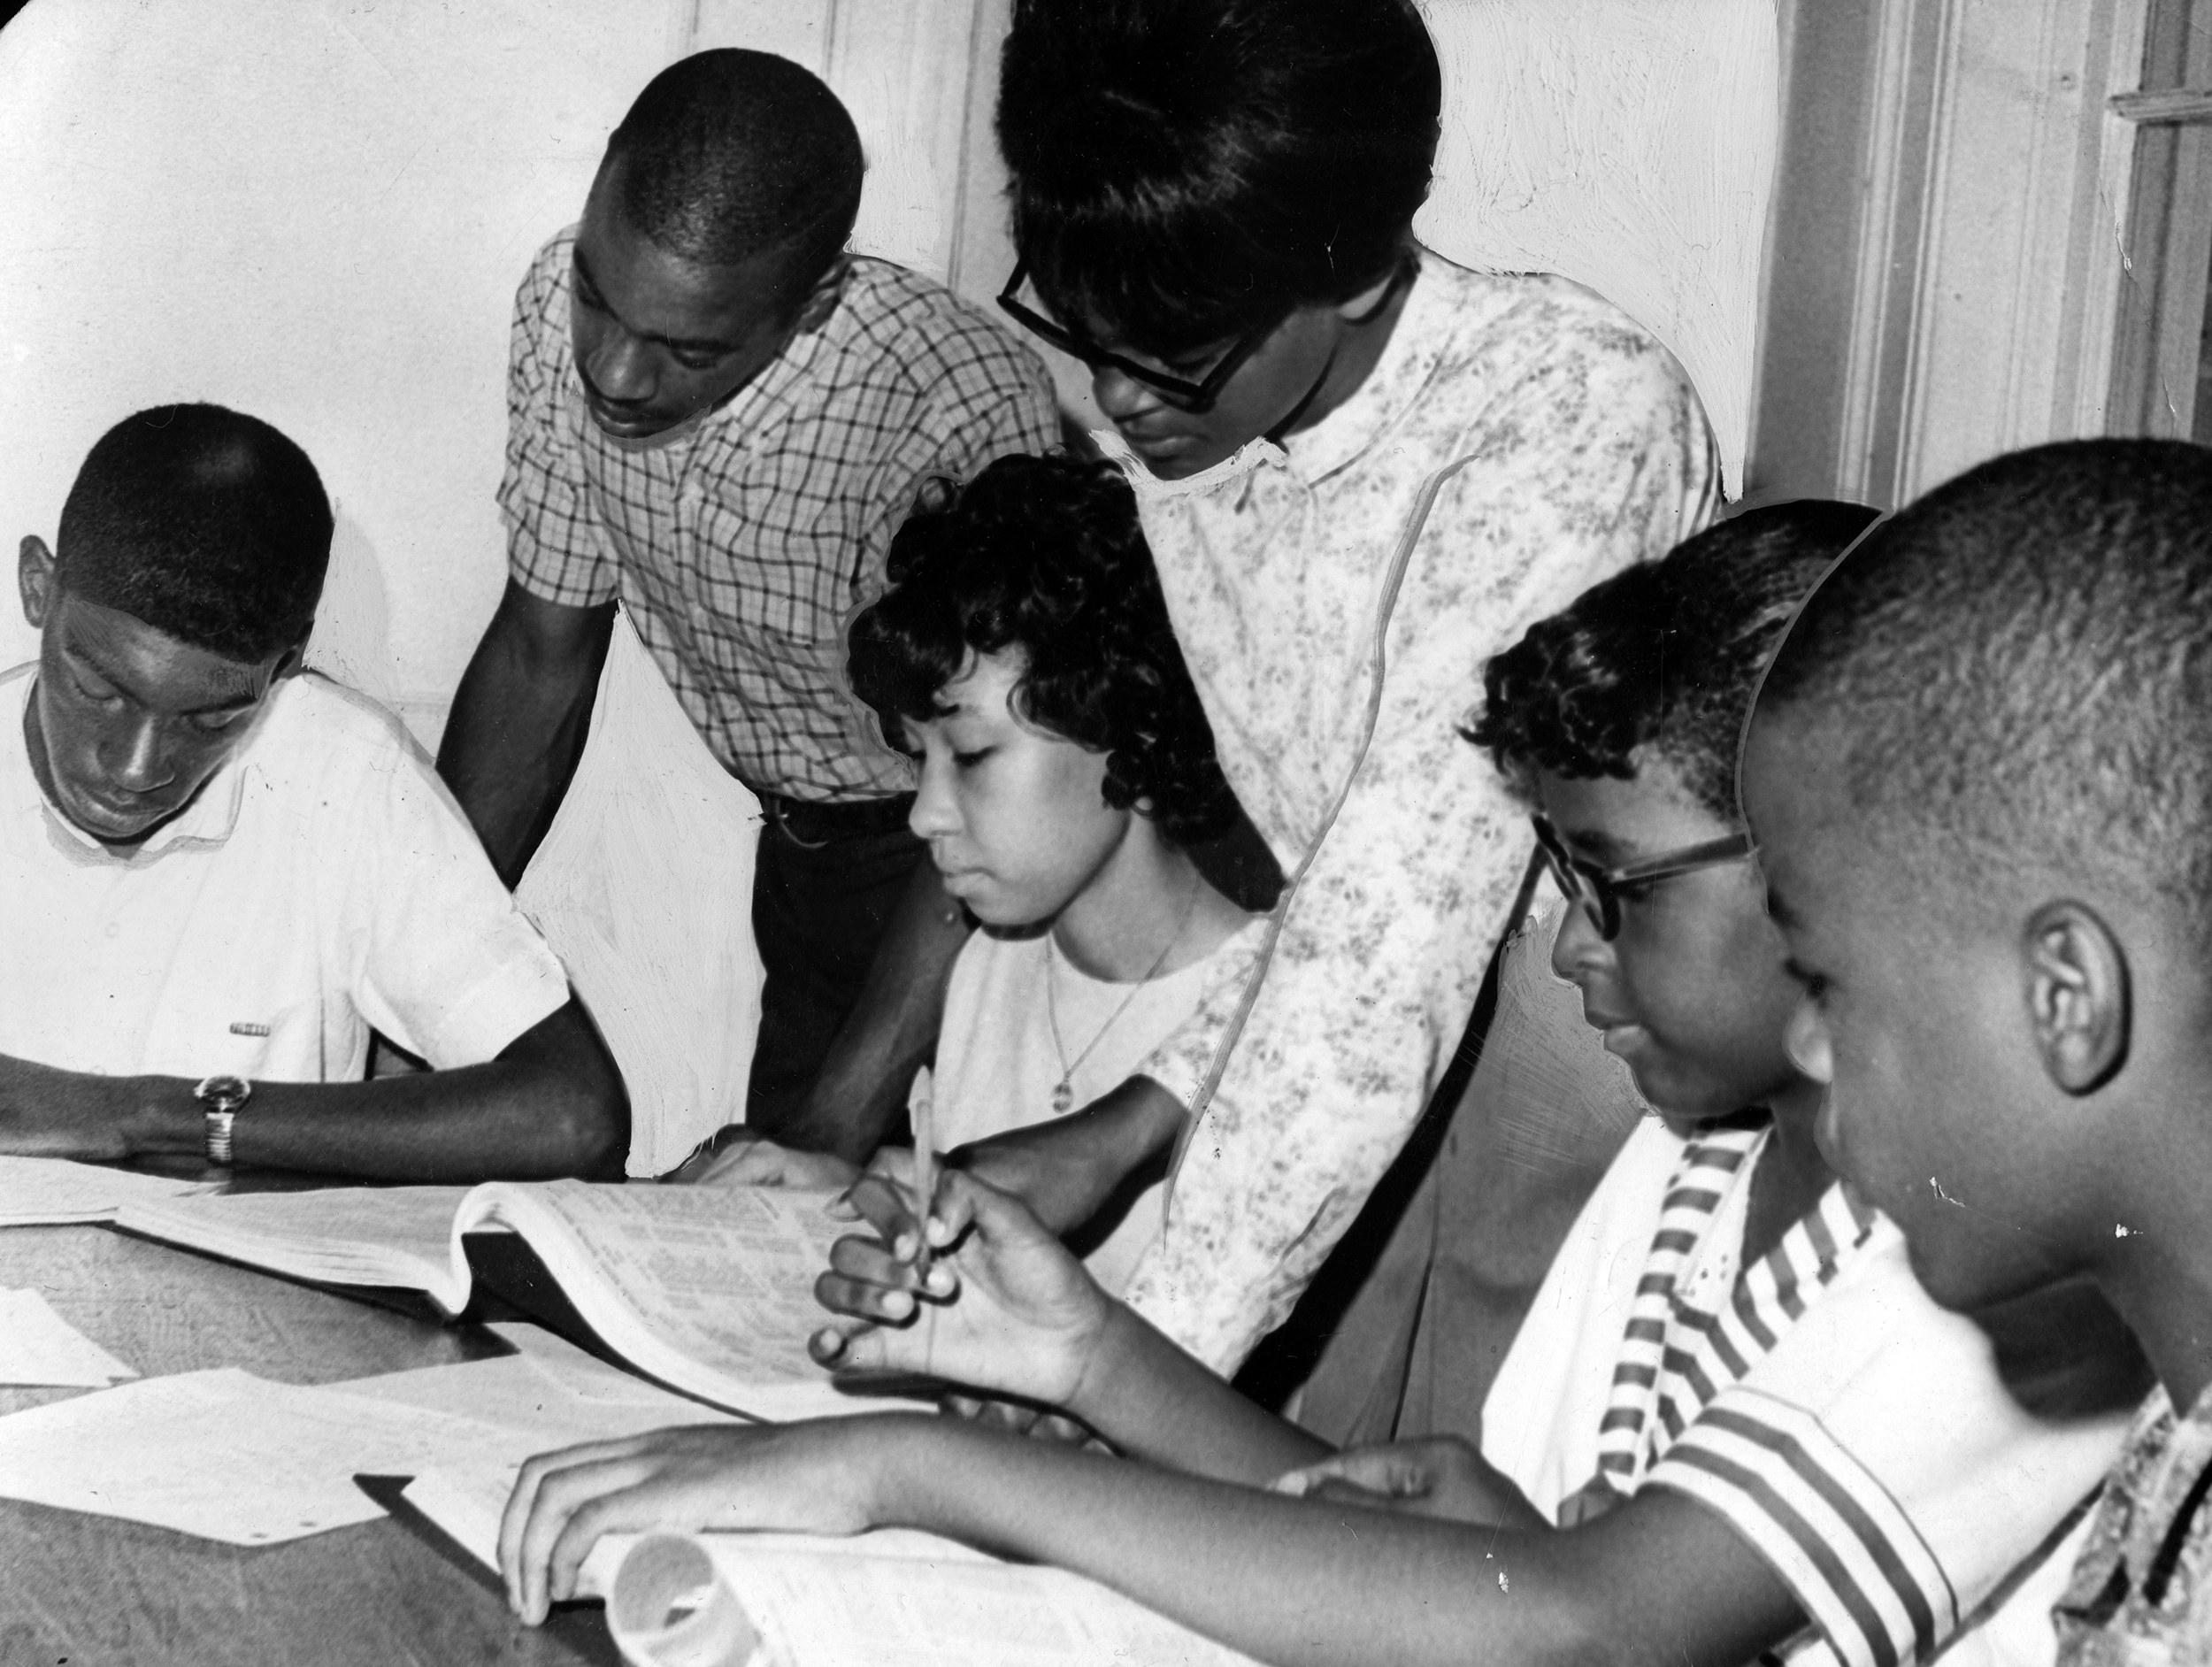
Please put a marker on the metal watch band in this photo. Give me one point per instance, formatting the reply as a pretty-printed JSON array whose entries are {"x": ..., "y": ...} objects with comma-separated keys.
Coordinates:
[{"x": 221, "y": 1099}]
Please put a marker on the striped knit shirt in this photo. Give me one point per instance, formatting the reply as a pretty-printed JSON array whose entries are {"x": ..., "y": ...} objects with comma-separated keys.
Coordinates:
[{"x": 1855, "y": 1435}]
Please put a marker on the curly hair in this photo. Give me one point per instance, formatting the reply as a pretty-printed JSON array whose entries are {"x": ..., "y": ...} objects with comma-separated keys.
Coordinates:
[
  {"x": 1665, "y": 656},
  {"x": 1045, "y": 554}
]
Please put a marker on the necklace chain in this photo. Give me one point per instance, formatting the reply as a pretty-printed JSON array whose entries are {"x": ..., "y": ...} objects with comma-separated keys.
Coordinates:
[{"x": 1063, "y": 1091}]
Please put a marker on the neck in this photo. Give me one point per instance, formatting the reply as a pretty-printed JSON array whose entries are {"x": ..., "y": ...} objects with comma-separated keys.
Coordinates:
[
  {"x": 1359, "y": 348},
  {"x": 2159, "y": 1277},
  {"x": 1146, "y": 899},
  {"x": 1792, "y": 1176}
]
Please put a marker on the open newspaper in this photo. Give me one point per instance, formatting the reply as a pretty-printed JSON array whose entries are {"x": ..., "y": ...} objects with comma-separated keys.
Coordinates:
[
  {"x": 893, "y": 1598},
  {"x": 708, "y": 1288}
]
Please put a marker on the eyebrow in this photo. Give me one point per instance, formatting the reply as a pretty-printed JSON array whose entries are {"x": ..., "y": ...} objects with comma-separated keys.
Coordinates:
[
  {"x": 682, "y": 344},
  {"x": 1599, "y": 845},
  {"x": 76, "y": 649}
]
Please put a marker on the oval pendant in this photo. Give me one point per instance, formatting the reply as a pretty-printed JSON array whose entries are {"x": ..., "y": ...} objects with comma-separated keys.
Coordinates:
[{"x": 1063, "y": 1097}]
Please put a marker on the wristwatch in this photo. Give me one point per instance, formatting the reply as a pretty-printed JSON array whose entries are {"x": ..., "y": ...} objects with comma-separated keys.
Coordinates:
[{"x": 221, "y": 1099}]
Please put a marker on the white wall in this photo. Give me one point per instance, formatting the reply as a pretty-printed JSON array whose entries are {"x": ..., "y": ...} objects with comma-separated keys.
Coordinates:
[
  {"x": 317, "y": 212},
  {"x": 1629, "y": 144}
]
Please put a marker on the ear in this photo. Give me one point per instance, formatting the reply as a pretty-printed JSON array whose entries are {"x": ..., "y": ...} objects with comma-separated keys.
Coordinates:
[
  {"x": 35, "y": 580},
  {"x": 2079, "y": 1000},
  {"x": 821, "y": 300}
]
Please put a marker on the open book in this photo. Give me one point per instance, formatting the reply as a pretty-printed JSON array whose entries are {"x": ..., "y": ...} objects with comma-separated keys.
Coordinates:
[
  {"x": 893, "y": 1598},
  {"x": 708, "y": 1288}
]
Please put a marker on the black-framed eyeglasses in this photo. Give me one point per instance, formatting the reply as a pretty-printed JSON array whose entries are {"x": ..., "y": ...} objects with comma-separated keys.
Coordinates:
[
  {"x": 1193, "y": 396},
  {"x": 1598, "y": 889}
]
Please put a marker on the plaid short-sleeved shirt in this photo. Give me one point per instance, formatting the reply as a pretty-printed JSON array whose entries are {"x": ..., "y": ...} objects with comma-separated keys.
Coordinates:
[{"x": 743, "y": 543}]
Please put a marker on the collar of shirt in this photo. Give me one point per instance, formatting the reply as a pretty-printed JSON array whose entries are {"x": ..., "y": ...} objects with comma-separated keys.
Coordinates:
[
  {"x": 204, "y": 823},
  {"x": 1409, "y": 361}
]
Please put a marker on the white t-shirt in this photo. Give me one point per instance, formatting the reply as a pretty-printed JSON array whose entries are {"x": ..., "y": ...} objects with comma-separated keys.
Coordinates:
[
  {"x": 997, "y": 1065},
  {"x": 1856, "y": 1435},
  {"x": 323, "y": 882}
]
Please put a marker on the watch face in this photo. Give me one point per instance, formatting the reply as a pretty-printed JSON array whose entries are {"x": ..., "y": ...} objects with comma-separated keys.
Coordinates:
[{"x": 225, "y": 1094}]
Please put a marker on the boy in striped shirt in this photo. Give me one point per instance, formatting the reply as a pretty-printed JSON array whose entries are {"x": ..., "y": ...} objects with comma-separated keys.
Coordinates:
[
  {"x": 1761, "y": 1433},
  {"x": 1981, "y": 777}
]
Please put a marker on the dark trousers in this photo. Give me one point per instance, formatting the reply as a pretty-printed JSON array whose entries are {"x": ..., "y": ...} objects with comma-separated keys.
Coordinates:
[{"x": 819, "y": 912}]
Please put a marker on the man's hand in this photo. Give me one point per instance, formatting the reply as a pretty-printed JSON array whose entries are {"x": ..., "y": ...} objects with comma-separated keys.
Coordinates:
[
  {"x": 1437, "y": 1476},
  {"x": 1003, "y": 1306},
  {"x": 797, "y": 1477},
  {"x": 47, "y": 1112}
]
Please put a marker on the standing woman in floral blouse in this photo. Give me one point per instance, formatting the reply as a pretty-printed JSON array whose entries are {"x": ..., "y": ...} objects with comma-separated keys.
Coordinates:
[{"x": 1362, "y": 469}]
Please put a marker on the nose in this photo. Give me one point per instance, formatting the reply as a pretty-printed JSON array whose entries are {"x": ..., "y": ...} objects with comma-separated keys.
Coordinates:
[
  {"x": 138, "y": 761},
  {"x": 933, "y": 814},
  {"x": 1805, "y": 1040},
  {"x": 1121, "y": 395},
  {"x": 617, "y": 363},
  {"x": 1577, "y": 948}
]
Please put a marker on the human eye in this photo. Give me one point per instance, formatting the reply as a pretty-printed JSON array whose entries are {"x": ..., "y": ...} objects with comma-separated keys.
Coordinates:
[
  {"x": 215, "y": 723},
  {"x": 97, "y": 690},
  {"x": 694, "y": 360},
  {"x": 970, "y": 757}
]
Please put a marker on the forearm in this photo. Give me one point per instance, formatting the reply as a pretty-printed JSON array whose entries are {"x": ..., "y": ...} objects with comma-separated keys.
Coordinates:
[
  {"x": 1066, "y": 1170},
  {"x": 517, "y": 727},
  {"x": 551, "y": 1105},
  {"x": 1294, "y": 1582},
  {"x": 1155, "y": 1402},
  {"x": 891, "y": 1032}
]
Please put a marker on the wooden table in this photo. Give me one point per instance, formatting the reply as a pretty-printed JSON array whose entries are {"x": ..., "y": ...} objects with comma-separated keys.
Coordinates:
[{"x": 99, "y": 1591}]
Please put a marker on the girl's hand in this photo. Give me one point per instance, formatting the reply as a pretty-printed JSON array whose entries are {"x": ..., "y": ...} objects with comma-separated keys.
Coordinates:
[
  {"x": 1436, "y": 1476},
  {"x": 1002, "y": 1307},
  {"x": 799, "y": 1477},
  {"x": 758, "y": 1162}
]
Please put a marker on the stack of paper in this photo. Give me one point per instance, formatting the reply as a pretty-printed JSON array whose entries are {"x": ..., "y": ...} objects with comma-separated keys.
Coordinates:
[
  {"x": 226, "y": 1455},
  {"x": 41, "y": 1192}
]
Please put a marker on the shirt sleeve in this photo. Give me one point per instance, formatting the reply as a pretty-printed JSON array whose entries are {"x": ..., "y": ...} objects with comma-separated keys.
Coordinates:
[
  {"x": 1876, "y": 1460},
  {"x": 446, "y": 965},
  {"x": 1598, "y": 457},
  {"x": 556, "y": 549}
]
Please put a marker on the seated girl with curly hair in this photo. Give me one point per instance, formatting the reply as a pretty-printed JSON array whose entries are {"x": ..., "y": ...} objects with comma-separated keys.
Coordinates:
[{"x": 1023, "y": 656}]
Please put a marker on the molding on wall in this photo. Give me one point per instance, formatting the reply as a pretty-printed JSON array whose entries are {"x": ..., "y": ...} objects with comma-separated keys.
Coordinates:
[{"x": 1986, "y": 180}]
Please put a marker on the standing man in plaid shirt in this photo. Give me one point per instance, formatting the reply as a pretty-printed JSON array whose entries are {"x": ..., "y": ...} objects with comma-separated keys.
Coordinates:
[{"x": 719, "y": 416}]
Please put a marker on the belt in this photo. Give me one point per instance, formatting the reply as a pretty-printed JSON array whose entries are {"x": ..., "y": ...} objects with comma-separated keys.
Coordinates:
[{"x": 813, "y": 822}]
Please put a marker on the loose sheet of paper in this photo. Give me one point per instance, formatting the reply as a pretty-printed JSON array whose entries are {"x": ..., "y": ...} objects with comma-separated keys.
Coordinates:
[
  {"x": 38, "y": 1347},
  {"x": 226, "y": 1455},
  {"x": 40, "y": 1191}
]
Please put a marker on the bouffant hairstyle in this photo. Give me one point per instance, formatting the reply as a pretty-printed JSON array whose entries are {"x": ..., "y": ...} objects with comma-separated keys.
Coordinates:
[
  {"x": 1186, "y": 169},
  {"x": 204, "y": 523},
  {"x": 1665, "y": 656},
  {"x": 1044, "y": 557}
]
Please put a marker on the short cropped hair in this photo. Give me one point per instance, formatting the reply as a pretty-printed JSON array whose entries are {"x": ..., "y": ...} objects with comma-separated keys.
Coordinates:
[
  {"x": 731, "y": 155},
  {"x": 1664, "y": 656},
  {"x": 1045, "y": 555},
  {"x": 1182, "y": 170},
  {"x": 202, "y": 523},
  {"x": 2020, "y": 664}
]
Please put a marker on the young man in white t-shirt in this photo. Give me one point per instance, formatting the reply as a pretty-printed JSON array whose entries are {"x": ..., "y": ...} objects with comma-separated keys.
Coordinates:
[
  {"x": 220, "y": 870},
  {"x": 1024, "y": 656}
]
